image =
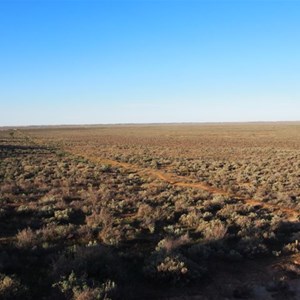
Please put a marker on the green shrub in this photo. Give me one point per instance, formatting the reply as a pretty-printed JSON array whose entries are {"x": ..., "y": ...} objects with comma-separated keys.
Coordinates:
[
  {"x": 11, "y": 288},
  {"x": 80, "y": 288},
  {"x": 171, "y": 268}
]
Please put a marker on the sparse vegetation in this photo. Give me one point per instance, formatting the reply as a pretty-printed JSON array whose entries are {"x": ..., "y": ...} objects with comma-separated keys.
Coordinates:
[{"x": 154, "y": 207}]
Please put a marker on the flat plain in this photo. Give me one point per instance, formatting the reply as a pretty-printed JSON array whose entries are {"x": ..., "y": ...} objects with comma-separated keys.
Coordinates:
[{"x": 170, "y": 211}]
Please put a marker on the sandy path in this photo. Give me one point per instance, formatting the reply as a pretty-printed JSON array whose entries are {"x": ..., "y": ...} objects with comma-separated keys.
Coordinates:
[{"x": 291, "y": 215}]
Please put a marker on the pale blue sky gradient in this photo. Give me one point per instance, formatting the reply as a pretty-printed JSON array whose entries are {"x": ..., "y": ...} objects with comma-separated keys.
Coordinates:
[{"x": 93, "y": 62}]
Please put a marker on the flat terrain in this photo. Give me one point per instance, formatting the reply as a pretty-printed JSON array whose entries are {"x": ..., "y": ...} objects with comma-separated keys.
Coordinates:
[{"x": 186, "y": 211}]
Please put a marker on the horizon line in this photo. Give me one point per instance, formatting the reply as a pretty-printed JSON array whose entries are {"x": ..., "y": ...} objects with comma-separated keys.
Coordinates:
[{"x": 144, "y": 124}]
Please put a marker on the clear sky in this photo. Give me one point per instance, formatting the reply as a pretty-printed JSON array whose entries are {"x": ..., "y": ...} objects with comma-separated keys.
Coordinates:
[{"x": 92, "y": 62}]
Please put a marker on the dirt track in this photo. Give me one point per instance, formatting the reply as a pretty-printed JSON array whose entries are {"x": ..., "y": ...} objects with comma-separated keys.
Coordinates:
[{"x": 291, "y": 215}]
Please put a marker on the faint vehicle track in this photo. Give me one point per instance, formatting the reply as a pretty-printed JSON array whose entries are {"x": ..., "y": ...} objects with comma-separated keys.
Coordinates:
[{"x": 292, "y": 215}]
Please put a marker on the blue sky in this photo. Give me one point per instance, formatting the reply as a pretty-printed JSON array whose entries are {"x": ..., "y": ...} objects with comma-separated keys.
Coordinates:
[{"x": 92, "y": 62}]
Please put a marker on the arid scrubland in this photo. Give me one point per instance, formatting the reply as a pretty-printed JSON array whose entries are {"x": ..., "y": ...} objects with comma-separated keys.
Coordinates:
[{"x": 150, "y": 212}]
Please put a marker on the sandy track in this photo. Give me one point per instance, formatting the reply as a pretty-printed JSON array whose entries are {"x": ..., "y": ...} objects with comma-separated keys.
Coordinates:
[{"x": 290, "y": 214}]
